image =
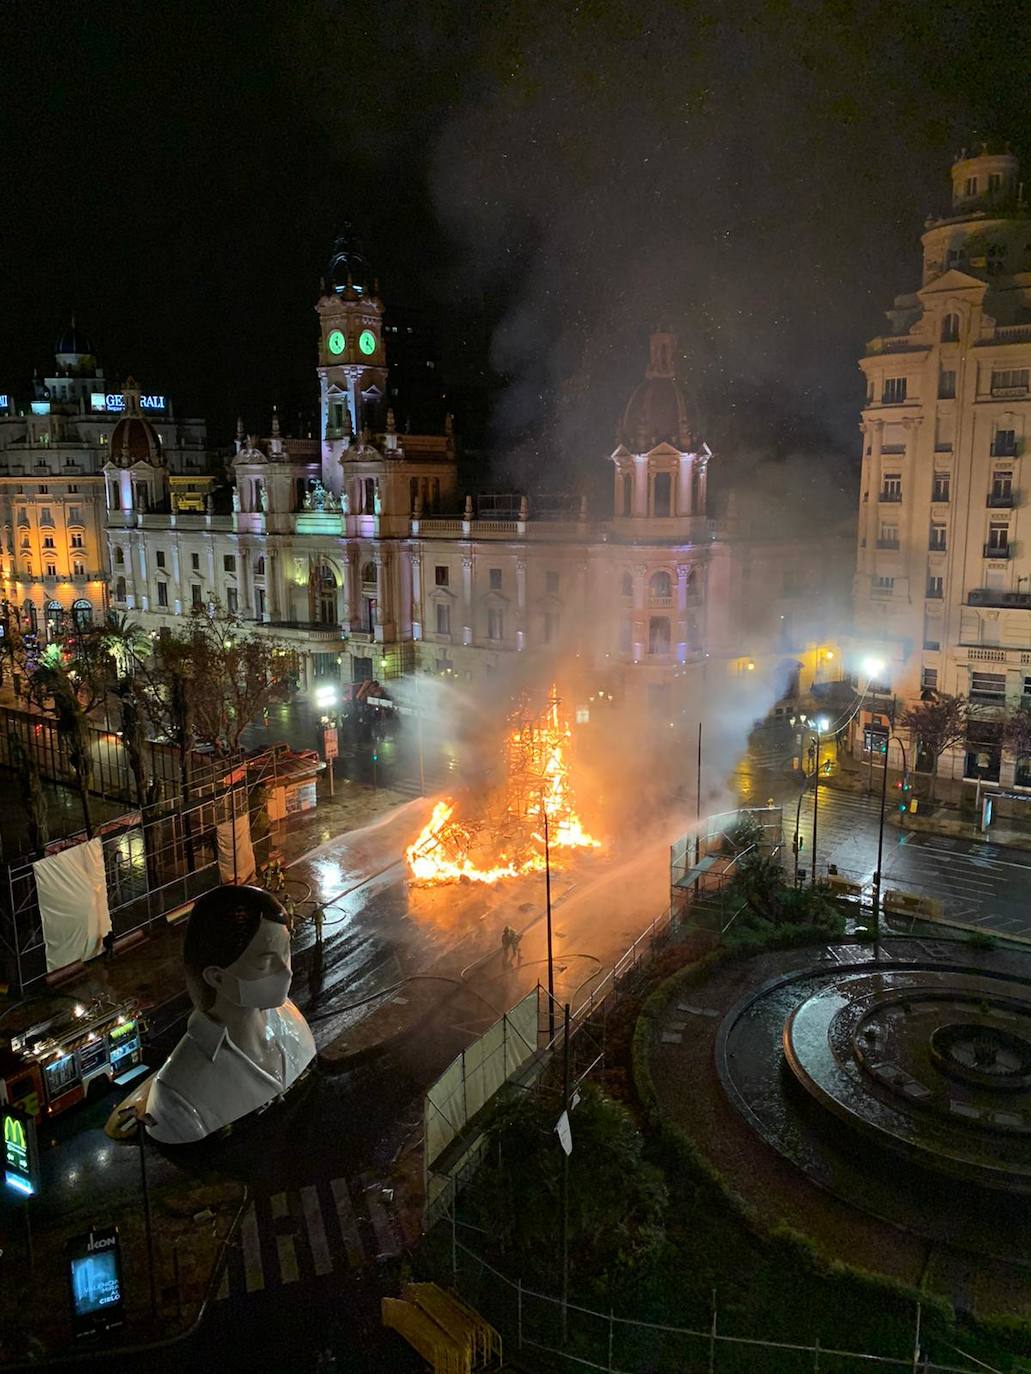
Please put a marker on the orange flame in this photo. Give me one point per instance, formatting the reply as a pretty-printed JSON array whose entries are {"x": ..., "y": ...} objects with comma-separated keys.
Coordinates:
[{"x": 539, "y": 789}]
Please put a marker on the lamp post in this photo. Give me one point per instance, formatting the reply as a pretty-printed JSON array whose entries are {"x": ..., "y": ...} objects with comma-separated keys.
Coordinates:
[
  {"x": 801, "y": 763},
  {"x": 547, "y": 904},
  {"x": 880, "y": 827},
  {"x": 820, "y": 727},
  {"x": 133, "y": 1116}
]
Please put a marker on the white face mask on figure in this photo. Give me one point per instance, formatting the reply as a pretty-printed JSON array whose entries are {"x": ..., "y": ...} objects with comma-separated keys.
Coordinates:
[{"x": 259, "y": 993}]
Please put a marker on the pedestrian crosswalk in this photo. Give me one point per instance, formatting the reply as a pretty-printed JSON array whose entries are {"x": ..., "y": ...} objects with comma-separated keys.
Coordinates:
[{"x": 306, "y": 1233}]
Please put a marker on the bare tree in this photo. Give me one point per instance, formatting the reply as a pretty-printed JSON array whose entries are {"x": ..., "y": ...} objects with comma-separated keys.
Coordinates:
[
  {"x": 1016, "y": 733},
  {"x": 937, "y": 724}
]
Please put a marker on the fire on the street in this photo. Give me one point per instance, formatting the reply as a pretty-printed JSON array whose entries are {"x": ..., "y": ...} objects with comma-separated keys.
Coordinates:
[{"x": 536, "y": 808}]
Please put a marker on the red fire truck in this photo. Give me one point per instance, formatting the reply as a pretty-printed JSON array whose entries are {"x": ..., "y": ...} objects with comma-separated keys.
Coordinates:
[{"x": 49, "y": 1067}]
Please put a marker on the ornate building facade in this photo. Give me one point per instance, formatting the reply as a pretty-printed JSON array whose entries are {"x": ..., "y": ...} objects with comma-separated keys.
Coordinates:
[
  {"x": 359, "y": 551},
  {"x": 58, "y": 451},
  {"x": 943, "y": 584}
]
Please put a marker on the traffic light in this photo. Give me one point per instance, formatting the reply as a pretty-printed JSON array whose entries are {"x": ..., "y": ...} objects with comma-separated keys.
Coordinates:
[{"x": 905, "y": 787}]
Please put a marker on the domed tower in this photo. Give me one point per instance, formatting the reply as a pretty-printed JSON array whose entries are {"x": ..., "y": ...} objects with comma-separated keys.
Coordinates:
[
  {"x": 660, "y": 462},
  {"x": 74, "y": 353},
  {"x": 135, "y": 474},
  {"x": 984, "y": 179},
  {"x": 352, "y": 360},
  {"x": 134, "y": 439}
]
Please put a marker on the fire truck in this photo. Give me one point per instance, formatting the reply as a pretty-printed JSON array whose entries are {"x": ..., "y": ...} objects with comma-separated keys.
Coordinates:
[{"x": 52, "y": 1065}]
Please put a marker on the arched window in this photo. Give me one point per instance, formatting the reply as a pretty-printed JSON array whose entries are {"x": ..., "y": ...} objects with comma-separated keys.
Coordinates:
[
  {"x": 82, "y": 614},
  {"x": 413, "y": 492},
  {"x": 627, "y": 585},
  {"x": 259, "y": 566},
  {"x": 119, "y": 556},
  {"x": 662, "y": 494},
  {"x": 660, "y": 588},
  {"x": 369, "y": 573},
  {"x": 31, "y": 620},
  {"x": 120, "y": 589},
  {"x": 53, "y": 618},
  {"x": 658, "y": 634},
  {"x": 950, "y": 328}
]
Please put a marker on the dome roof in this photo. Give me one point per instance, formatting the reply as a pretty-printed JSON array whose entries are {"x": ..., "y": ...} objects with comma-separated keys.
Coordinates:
[
  {"x": 134, "y": 439},
  {"x": 657, "y": 411},
  {"x": 73, "y": 342}
]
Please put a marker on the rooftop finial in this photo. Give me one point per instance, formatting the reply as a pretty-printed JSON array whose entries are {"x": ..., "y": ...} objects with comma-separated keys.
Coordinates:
[{"x": 275, "y": 422}]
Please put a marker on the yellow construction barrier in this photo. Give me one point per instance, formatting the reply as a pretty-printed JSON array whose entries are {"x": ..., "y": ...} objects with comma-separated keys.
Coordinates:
[
  {"x": 441, "y": 1328},
  {"x": 844, "y": 887}
]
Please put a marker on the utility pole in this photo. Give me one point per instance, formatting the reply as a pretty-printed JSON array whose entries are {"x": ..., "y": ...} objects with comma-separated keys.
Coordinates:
[
  {"x": 142, "y": 1119},
  {"x": 565, "y": 1181},
  {"x": 698, "y": 803},
  {"x": 880, "y": 837},
  {"x": 547, "y": 905}
]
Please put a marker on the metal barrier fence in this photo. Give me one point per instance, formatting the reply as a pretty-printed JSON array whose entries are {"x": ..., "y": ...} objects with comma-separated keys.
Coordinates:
[
  {"x": 581, "y": 1337},
  {"x": 152, "y": 866}
]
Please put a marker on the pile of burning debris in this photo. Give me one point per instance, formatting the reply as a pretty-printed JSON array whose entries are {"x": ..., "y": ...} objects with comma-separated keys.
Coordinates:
[{"x": 533, "y": 811}]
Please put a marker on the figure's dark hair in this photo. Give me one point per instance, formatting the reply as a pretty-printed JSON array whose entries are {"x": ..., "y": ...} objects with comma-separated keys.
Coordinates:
[{"x": 222, "y": 924}]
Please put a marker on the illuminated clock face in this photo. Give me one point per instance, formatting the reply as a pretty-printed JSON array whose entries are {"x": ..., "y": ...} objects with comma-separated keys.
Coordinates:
[
  {"x": 336, "y": 341},
  {"x": 367, "y": 341}
]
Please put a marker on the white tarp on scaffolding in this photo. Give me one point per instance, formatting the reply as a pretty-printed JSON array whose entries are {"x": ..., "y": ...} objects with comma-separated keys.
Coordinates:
[
  {"x": 72, "y": 896},
  {"x": 235, "y": 853},
  {"x": 476, "y": 1075}
]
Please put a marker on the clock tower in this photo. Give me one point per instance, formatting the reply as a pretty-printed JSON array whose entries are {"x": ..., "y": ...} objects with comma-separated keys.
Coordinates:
[{"x": 352, "y": 360}]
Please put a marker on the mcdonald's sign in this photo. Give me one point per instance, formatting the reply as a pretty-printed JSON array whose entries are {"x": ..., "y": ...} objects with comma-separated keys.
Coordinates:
[{"x": 19, "y": 1157}]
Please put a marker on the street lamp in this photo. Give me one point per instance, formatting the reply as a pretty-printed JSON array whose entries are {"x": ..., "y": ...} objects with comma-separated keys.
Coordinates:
[
  {"x": 880, "y": 827},
  {"x": 547, "y": 905},
  {"x": 140, "y": 1119},
  {"x": 801, "y": 719},
  {"x": 820, "y": 726}
]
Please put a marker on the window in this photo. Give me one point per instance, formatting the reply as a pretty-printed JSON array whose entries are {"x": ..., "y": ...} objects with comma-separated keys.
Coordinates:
[
  {"x": 947, "y": 384},
  {"x": 259, "y": 566},
  {"x": 1027, "y": 686},
  {"x": 369, "y": 574},
  {"x": 994, "y": 182},
  {"x": 660, "y": 588},
  {"x": 998, "y": 537},
  {"x": 929, "y": 679},
  {"x": 77, "y": 541},
  {"x": 988, "y": 686},
  {"x": 232, "y": 600},
  {"x": 441, "y": 575},
  {"x": 495, "y": 579},
  {"x": 114, "y": 497},
  {"x": 1004, "y": 445},
  {"x": 937, "y": 538},
  {"x": 658, "y": 634},
  {"x": 1002, "y": 488},
  {"x": 443, "y": 619},
  {"x": 45, "y": 518},
  {"x": 51, "y": 570},
  {"x": 940, "y": 486},
  {"x": 119, "y": 557},
  {"x": 259, "y": 602},
  {"x": 327, "y": 607},
  {"x": 195, "y": 596},
  {"x": 970, "y": 186},
  {"x": 73, "y": 490},
  {"x": 229, "y": 562},
  {"x": 325, "y": 665},
  {"x": 74, "y": 515},
  {"x": 1010, "y": 381},
  {"x": 888, "y": 538},
  {"x": 626, "y": 585},
  {"x": 662, "y": 493},
  {"x": 195, "y": 562},
  {"x": 894, "y": 392},
  {"x": 82, "y": 614},
  {"x": 495, "y": 623},
  {"x": 44, "y": 490},
  {"x": 550, "y": 627},
  {"x": 950, "y": 328},
  {"x": 892, "y": 488},
  {"x": 162, "y": 593},
  {"x": 934, "y": 588},
  {"x": 159, "y": 558},
  {"x": 120, "y": 589},
  {"x": 48, "y": 542},
  {"x": 78, "y": 569},
  {"x": 551, "y": 583},
  {"x": 883, "y": 584}
]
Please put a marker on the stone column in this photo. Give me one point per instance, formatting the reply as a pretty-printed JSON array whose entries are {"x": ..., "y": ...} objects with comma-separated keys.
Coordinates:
[
  {"x": 467, "y": 598},
  {"x": 382, "y": 617},
  {"x": 415, "y": 576},
  {"x": 683, "y": 573},
  {"x": 639, "y": 629},
  {"x": 640, "y": 485},
  {"x": 684, "y": 485},
  {"x": 143, "y": 597},
  {"x": 246, "y": 609},
  {"x": 272, "y": 584}
]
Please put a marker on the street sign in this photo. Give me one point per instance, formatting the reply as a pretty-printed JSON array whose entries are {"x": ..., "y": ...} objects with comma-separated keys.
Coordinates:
[
  {"x": 20, "y": 1161},
  {"x": 565, "y": 1135},
  {"x": 330, "y": 748},
  {"x": 95, "y": 1278}
]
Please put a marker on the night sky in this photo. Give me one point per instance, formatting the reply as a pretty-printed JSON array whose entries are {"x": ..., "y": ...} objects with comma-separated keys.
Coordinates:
[{"x": 545, "y": 182}]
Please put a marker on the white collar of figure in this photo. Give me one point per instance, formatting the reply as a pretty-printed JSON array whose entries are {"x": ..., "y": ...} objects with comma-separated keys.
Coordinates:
[{"x": 207, "y": 1033}]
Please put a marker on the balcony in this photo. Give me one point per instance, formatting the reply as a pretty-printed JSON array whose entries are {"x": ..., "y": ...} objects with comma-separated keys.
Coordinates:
[
  {"x": 937, "y": 547},
  {"x": 992, "y": 596},
  {"x": 1007, "y": 449},
  {"x": 1001, "y": 500},
  {"x": 993, "y": 551},
  {"x": 987, "y": 698},
  {"x": 1007, "y": 392},
  {"x": 893, "y": 450},
  {"x": 891, "y": 497},
  {"x": 660, "y": 603},
  {"x": 888, "y": 544}
]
